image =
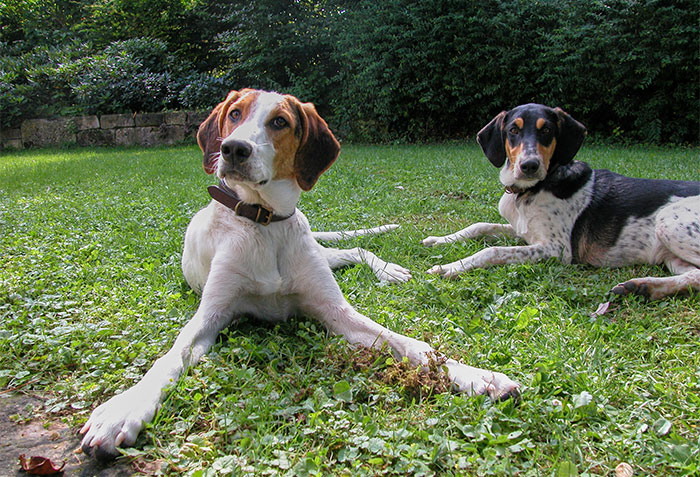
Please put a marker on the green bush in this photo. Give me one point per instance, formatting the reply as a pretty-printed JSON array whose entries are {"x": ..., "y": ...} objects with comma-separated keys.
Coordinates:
[
  {"x": 416, "y": 70},
  {"x": 396, "y": 70},
  {"x": 201, "y": 91},
  {"x": 36, "y": 82},
  {"x": 129, "y": 76}
]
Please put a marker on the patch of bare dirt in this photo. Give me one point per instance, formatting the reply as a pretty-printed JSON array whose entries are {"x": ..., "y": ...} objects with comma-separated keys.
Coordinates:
[{"x": 34, "y": 434}]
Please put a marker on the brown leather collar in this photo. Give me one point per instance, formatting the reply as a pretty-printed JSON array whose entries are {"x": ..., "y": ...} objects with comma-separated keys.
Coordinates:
[
  {"x": 513, "y": 189},
  {"x": 255, "y": 212}
]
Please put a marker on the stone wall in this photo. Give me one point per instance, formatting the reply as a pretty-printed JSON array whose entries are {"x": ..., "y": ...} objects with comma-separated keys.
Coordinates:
[{"x": 142, "y": 129}]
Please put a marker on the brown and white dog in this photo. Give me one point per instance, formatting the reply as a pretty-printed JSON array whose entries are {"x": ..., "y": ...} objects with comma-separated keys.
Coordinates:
[
  {"x": 564, "y": 209},
  {"x": 269, "y": 148}
]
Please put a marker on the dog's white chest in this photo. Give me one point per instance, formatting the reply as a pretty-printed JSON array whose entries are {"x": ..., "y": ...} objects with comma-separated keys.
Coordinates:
[
  {"x": 258, "y": 265},
  {"x": 542, "y": 218},
  {"x": 508, "y": 209},
  {"x": 529, "y": 216}
]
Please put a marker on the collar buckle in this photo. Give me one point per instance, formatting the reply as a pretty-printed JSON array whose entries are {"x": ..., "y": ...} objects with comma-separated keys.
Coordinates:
[
  {"x": 255, "y": 212},
  {"x": 267, "y": 218},
  {"x": 513, "y": 189}
]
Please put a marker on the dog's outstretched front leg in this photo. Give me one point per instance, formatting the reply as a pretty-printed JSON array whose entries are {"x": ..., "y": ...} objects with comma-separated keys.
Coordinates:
[
  {"x": 473, "y": 231},
  {"x": 328, "y": 305},
  {"x": 360, "y": 330},
  {"x": 118, "y": 421},
  {"x": 497, "y": 256},
  {"x": 384, "y": 271}
]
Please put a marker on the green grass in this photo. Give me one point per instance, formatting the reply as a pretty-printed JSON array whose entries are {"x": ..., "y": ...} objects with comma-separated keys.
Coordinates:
[{"x": 91, "y": 293}]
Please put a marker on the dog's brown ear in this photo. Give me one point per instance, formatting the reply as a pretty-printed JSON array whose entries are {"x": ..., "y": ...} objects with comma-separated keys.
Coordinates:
[
  {"x": 570, "y": 137},
  {"x": 491, "y": 140},
  {"x": 318, "y": 148},
  {"x": 209, "y": 133}
]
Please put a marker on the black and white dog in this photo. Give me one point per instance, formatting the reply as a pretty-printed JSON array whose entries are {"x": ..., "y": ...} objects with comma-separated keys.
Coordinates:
[{"x": 563, "y": 208}]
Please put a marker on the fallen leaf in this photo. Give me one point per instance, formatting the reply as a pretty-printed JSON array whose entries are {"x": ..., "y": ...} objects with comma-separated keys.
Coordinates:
[
  {"x": 37, "y": 465},
  {"x": 623, "y": 469},
  {"x": 602, "y": 309}
]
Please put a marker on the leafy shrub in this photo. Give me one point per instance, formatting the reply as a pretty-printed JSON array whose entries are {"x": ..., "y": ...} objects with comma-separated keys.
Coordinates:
[
  {"x": 34, "y": 83},
  {"x": 416, "y": 70},
  {"x": 131, "y": 75},
  {"x": 200, "y": 91},
  {"x": 397, "y": 70}
]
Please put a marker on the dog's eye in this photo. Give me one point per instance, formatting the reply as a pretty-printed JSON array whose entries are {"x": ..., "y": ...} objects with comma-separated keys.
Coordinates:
[
  {"x": 514, "y": 130},
  {"x": 235, "y": 115},
  {"x": 279, "y": 123},
  {"x": 545, "y": 130}
]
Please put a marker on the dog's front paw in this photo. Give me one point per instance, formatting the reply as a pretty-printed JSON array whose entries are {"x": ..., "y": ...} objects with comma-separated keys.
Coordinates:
[
  {"x": 432, "y": 241},
  {"x": 450, "y": 270},
  {"x": 393, "y": 273},
  {"x": 475, "y": 381},
  {"x": 116, "y": 423}
]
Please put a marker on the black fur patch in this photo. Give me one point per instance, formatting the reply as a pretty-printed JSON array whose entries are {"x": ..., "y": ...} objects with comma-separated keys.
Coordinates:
[
  {"x": 615, "y": 199},
  {"x": 564, "y": 181}
]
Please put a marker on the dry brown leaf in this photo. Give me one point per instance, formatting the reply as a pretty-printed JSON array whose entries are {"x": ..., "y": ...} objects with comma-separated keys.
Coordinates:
[{"x": 37, "y": 465}]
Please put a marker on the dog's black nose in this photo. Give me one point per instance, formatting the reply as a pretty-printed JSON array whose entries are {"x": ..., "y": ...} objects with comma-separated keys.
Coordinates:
[
  {"x": 530, "y": 166},
  {"x": 236, "y": 151}
]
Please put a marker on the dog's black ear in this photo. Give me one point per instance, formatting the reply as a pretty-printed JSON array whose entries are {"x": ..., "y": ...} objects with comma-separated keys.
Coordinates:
[
  {"x": 570, "y": 137},
  {"x": 209, "y": 133},
  {"x": 491, "y": 140},
  {"x": 318, "y": 147}
]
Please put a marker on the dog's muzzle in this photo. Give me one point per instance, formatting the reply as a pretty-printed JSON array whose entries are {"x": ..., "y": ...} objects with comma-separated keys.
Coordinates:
[
  {"x": 236, "y": 151},
  {"x": 530, "y": 167}
]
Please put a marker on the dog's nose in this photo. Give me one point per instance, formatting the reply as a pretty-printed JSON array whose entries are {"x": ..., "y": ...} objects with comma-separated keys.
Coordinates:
[
  {"x": 530, "y": 166},
  {"x": 236, "y": 151}
]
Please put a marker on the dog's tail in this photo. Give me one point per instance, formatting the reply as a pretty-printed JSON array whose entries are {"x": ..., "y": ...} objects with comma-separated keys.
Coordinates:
[{"x": 335, "y": 236}]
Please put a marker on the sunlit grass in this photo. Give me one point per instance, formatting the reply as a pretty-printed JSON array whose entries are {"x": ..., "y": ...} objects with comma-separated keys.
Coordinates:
[{"x": 91, "y": 293}]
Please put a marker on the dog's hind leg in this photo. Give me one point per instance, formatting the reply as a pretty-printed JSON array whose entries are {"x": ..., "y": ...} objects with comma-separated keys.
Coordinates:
[
  {"x": 656, "y": 288},
  {"x": 337, "y": 258},
  {"x": 384, "y": 271},
  {"x": 678, "y": 230},
  {"x": 346, "y": 234}
]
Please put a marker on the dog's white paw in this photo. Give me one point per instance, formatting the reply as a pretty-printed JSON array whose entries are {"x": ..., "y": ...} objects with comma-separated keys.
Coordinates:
[
  {"x": 393, "y": 273},
  {"x": 116, "y": 423},
  {"x": 475, "y": 381},
  {"x": 432, "y": 241},
  {"x": 450, "y": 270}
]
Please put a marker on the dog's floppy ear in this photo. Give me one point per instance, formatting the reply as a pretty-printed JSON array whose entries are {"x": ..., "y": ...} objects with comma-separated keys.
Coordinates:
[
  {"x": 570, "y": 137},
  {"x": 209, "y": 133},
  {"x": 318, "y": 148},
  {"x": 491, "y": 140}
]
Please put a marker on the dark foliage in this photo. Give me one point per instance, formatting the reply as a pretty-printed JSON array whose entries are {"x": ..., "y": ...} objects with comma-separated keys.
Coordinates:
[{"x": 397, "y": 70}]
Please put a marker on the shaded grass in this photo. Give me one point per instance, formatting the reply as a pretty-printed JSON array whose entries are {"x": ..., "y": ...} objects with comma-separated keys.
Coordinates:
[{"x": 91, "y": 293}]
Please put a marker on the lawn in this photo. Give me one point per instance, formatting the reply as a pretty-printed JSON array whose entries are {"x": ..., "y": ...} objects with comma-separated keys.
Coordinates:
[{"x": 91, "y": 293}]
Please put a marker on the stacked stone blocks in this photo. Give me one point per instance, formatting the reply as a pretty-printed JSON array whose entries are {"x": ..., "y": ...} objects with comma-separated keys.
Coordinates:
[{"x": 141, "y": 129}]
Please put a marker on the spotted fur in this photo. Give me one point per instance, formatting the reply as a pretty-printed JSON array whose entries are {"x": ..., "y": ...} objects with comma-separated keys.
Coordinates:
[{"x": 562, "y": 208}]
